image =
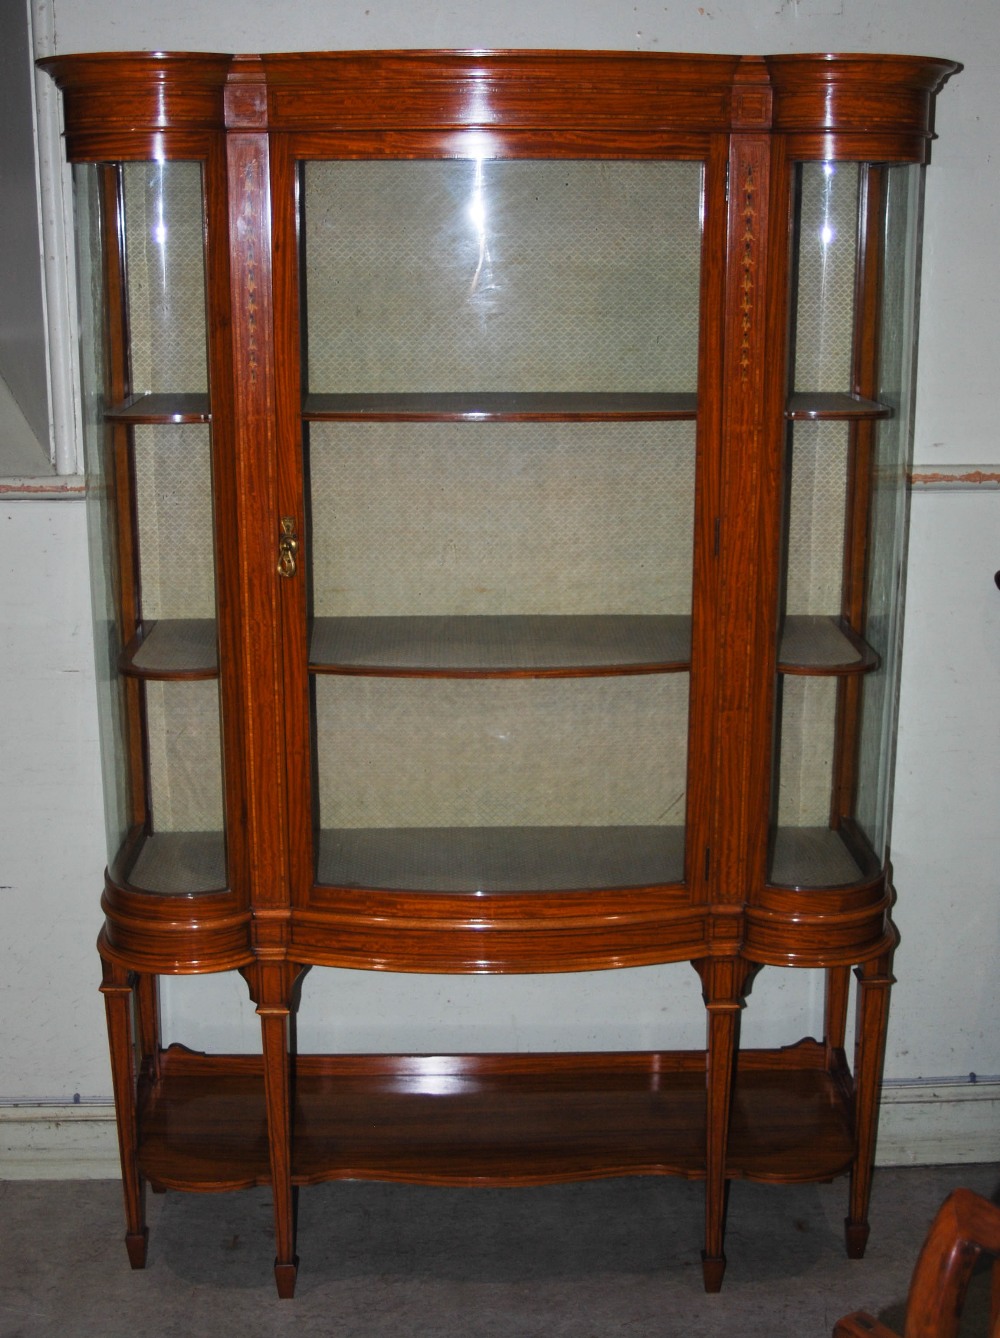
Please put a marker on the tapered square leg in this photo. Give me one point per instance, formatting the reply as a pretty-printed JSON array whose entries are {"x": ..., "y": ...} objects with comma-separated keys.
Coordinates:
[
  {"x": 723, "y": 982},
  {"x": 117, "y": 987},
  {"x": 875, "y": 982},
  {"x": 272, "y": 986}
]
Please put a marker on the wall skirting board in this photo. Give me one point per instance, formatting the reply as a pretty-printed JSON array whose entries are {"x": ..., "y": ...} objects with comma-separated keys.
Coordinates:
[{"x": 925, "y": 1123}]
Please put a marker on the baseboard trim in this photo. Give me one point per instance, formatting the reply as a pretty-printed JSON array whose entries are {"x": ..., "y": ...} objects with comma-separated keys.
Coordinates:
[
  {"x": 939, "y": 1123},
  {"x": 922, "y": 1124},
  {"x": 78, "y": 1142}
]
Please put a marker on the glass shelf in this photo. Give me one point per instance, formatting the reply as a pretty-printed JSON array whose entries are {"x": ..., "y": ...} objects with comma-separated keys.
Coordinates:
[
  {"x": 488, "y": 647},
  {"x": 818, "y": 857},
  {"x": 833, "y": 406},
  {"x": 173, "y": 648},
  {"x": 484, "y": 860},
  {"x": 161, "y": 408},
  {"x": 177, "y": 864},
  {"x": 817, "y": 644},
  {"x": 485, "y": 406},
  {"x": 497, "y": 647}
]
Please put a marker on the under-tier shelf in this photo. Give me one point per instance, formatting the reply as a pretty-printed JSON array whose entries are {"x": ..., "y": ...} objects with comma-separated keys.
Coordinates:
[
  {"x": 500, "y": 647},
  {"x": 815, "y": 644},
  {"x": 173, "y": 648},
  {"x": 484, "y": 860},
  {"x": 179, "y": 864},
  {"x": 833, "y": 406},
  {"x": 512, "y": 406},
  {"x": 516, "y": 1119},
  {"x": 174, "y": 408},
  {"x": 818, "y": 857}
]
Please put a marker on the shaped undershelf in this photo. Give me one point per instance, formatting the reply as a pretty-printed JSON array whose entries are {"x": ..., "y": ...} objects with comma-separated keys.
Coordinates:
[{"x": 516, "y": 1119}]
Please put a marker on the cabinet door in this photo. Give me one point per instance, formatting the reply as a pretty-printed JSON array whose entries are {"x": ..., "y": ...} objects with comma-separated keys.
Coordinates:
[
  {"x": 849, "y": 409},
  {"x": 499, "y": 431}
]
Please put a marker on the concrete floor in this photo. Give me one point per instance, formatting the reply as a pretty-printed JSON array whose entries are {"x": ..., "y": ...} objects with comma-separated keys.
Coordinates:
[{"x": 587, "y": 1260}]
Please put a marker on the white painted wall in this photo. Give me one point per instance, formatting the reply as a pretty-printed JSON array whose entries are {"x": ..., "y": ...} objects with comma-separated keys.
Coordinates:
[{"x": 946, "y": 843}]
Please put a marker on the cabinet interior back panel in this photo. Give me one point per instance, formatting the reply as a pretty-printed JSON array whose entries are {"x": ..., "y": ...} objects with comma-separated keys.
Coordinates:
[
  {"x": 501, "y": 275},
  {"x": 174, "y": 504},
  {"x": 805, "y": 767},
  {"x": 816, "y": 508},
  {"x": 185, "y": 755},
  {"x": 501, "y": 518},
  {"x": 544, "y": 752}
]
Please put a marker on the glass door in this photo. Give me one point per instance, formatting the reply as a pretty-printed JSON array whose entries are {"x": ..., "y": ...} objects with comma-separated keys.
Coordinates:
[{"x": 500, "y": 410}]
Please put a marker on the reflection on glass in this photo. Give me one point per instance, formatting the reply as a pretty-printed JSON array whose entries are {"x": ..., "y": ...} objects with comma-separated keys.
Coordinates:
[
  {"x": 500, "y": 275},
  {"x": 165, "y": 243},
  {"x": 827, "y": 232}
]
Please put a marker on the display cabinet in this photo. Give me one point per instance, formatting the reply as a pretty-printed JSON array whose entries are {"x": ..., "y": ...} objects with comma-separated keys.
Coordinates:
[{"x": 497, "y": 471}]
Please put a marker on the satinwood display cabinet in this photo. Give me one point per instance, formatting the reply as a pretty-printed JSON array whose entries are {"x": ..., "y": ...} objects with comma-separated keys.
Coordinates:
[{"x": 497, "y": 467}]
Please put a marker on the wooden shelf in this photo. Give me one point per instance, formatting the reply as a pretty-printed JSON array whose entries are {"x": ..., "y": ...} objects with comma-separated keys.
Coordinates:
[
  {"x": 483, "y": 860},
  {"x": 485, "y": 406},
  {"x": 833, "y": 406},
  {"x": 817, "y": 645},
  {"x": 179, "y": 408},
  {"x": 515, "y": 1119},
  {"x": 173, "y": 648},
  {"x": 501, "y": 647}
]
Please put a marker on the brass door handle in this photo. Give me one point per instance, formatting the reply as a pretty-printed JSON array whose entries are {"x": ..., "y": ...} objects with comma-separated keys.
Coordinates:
[{"x": 288, "y": 547}]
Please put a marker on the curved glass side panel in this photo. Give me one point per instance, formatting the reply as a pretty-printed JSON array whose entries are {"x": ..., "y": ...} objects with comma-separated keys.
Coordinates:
[
  {"x": 854, "y": 271},
  {"x": 102, "y": 520},
  {"x": 889, "y": 504},
  {"x": 148, "y": 458}
]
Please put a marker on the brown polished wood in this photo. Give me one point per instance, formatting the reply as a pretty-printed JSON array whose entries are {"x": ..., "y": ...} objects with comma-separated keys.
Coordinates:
[
  {"x": 496, "y": 1119},
  {"x": 268, "y": 890},
  {"x": 964, "y": 1235}
]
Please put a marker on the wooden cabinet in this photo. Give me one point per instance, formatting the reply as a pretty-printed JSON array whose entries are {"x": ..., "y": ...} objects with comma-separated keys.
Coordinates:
[{"x": 498, "y": 481}]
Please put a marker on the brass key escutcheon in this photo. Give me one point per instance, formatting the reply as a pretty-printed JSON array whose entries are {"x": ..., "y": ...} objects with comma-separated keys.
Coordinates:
[{"x": 288, "y": 547}]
